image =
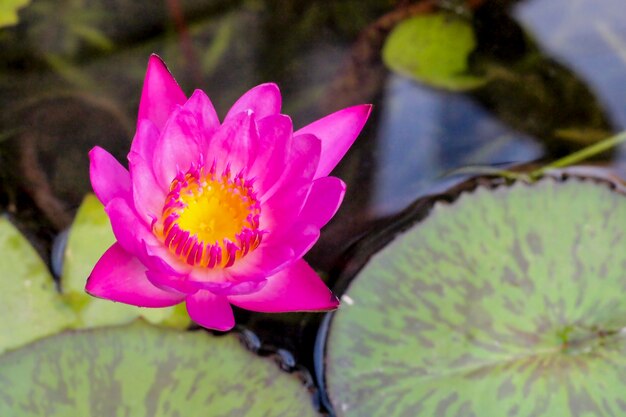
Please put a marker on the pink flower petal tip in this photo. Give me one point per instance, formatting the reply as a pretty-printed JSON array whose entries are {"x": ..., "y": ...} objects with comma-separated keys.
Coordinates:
[{"x": 213, "y": 214}]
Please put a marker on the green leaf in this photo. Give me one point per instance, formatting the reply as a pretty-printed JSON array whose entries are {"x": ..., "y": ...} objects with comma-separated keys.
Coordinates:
[
  {"x": 141, "y": 370},
  {"x": 433, "y": 49},
  {"x": 30, "y": 306},
  {"x": 507, "y": 302},
  {"x": 90, "y": 236},
  {"x": 8, "y": 11}
]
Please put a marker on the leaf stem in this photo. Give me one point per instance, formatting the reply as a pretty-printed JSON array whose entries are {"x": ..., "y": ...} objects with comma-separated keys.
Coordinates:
[
  {"x": 487, "y": 170},
  {"x": 581, "y": 155}
]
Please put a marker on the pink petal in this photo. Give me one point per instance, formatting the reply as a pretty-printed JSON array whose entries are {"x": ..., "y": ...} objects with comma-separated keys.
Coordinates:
[
  {"x": 302, "y": 238},
  {"x": 237, "y": 288},
  {"x": 145, "y": 140},
  {"x": 109, "y": 178},
  {"x": 120, "y": 277},
  {"x": 337, "y": 132},
  {"x": 235, "y": 144},
  {"x": 160, "y": 95},
  {"x": 275, "y": 135},
  {"x": 128, "y": 230},
  {"x": 281, "y": 205},
  {"x": 158, "y": 257},
  {"x": 199, "y": 105},
  {"x": 148, "y": 195},
  {"x": 264, "y": 100},
  {"x": 296, "y": 288},
  {"x": 299, "y": 168},
  {"x": 294, "y": 241},
  {"x": 172, "y": 283},
  {"x": 210, "y": 311},
  {"x": 177, "y": 147},
  {"x": 220, "y": 281},
  {"x": 323, "y": 201},
  {"x": 215, "y": 280},
  {"x": 262, "y": 262}
]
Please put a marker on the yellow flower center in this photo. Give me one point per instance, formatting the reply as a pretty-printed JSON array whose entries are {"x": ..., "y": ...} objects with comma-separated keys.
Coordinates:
[{"x": 210, "y": 220}]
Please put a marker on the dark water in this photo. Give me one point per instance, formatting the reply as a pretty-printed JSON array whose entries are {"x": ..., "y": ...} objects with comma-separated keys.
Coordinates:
[{"x": 71, "y": 74}]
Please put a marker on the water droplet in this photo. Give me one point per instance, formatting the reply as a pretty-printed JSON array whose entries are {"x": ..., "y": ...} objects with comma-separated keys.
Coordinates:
[{"x": 347, "y": 299}]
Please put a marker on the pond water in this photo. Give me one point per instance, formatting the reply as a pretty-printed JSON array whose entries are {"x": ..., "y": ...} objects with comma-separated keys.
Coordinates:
[{"x": 71, "y": 73}]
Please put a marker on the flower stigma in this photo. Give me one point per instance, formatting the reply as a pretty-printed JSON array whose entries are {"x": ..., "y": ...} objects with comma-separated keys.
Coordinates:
[{"x": 209, "y": 219}]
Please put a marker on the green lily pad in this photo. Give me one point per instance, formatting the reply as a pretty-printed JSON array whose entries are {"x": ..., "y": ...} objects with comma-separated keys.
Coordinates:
[
  {"x": 433, "y": 49},
  {"x": 90, "y": 236},
  {"x": 30, "y": 306},
  {"x": 8, "y": 11},
  {"x": 142, "y": 370},
  {"x": 508, "y": 302}
]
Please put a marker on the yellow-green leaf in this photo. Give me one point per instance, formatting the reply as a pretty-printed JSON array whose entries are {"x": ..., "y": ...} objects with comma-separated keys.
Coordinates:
[
  {"x": 433, "y": 49},
  {"x": 90, "y": 236},
  {"x": 30, "y": 305},
  {"x": 8, "y": 11}
]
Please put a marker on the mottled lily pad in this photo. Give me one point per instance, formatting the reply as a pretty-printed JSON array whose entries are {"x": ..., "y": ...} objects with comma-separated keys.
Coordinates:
[
  {"x": 142, "y": 370},
  {"x": 508, "y": 302},
  {"x": 90, "y": 236},
  {"x": 433, "y": 49},
  {"x": 30, "y": 306}
]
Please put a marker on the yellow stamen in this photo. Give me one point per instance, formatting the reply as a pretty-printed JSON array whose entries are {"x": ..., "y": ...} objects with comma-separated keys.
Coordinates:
[{"x": 210, "y": 220}]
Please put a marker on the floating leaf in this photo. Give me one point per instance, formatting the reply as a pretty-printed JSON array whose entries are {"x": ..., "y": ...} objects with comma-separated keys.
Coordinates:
[
  {"x": 433, "y": 49},
  {"x": 507, "y": 302},
  {"x": 8, "y": 11},
  {"x": 90, "y": 236},
  {"x": 141, "y": 370},
  {"x": 30, "y": 306}
]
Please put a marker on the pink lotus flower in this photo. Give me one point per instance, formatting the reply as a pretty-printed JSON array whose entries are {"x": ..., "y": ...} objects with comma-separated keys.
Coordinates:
[{"x": 215, "y": 214}]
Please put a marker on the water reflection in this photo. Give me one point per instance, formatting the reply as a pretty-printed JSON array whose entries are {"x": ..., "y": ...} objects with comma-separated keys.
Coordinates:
[
  {"x": 589, "y": 37},
  {"x": 423, "y": 133}
]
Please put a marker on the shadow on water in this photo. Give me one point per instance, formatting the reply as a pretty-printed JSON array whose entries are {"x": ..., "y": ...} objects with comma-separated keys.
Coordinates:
[{"x": 71, "y": 77}]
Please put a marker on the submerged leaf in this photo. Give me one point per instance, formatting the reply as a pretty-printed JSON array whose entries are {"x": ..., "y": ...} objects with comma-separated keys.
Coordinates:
[
  {"x": 30, "y": 306},
  {"x": 433, "y": 49},
  {"x": 90, "y": 236},
  {"x": 141, "y": 370},
  {"x": 507, "y": 302}
]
